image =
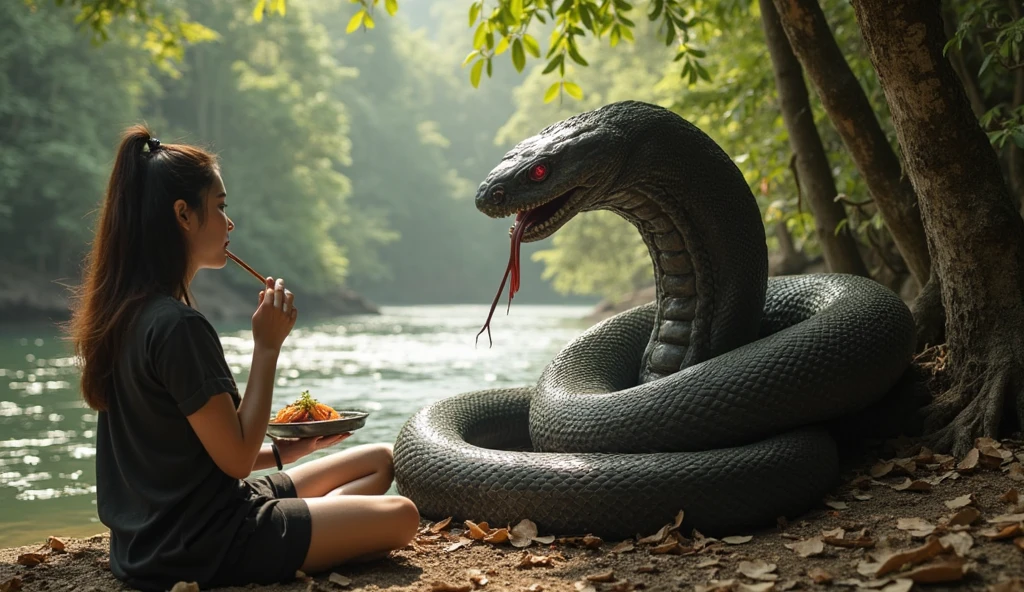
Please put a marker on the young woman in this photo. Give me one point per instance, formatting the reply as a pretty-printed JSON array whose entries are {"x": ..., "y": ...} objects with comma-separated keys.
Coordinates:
[{"x": 175, "y": 443}]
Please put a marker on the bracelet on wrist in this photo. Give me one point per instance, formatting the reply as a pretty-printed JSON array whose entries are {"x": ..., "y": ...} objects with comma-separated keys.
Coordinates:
[{"x": 277, "y": 455}]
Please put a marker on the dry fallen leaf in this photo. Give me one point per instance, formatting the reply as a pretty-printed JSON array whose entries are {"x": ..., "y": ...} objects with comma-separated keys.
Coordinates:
[
  {"x": 1019, "y": 542},
  {"x": 835, "y": 533},
  {"x": 960, "y": 502},
  {"x": 534, "y": 588},
  {"x": 900, "y": 585},
  {"x": 623, "y": 547},
  {"x": 339, "y": 580},
  {"x": 11, "y": 585},
  {"x": 478, "y": 578},
  {"x": 758, "y": 570},
  {"x": 918, "y": 527},
  {"x": 667, "y": 547},
  {"x": 446, "y": 587},
  {"x": 965, "y": 517},
  {"x": 758, "y": 587},
  {"x": 602, "y": 576},
  {"x": 1010, "y": 585},
  {"x": 647, "y": 568},
  {"x": 584, "y": 586},
  {"x": 185, "y": 587},
  {"x": 31, "y": 559},
  {"x": 881, "y": 469},
  {"x": 439, "y": 526},
  {"x": 909, "y": 485},
  {"x": 531, "y": 560},
  {"x": 589, "y": 541},
  {"x": 716, "y": 586},
  {"x": 55, "y": 544},
  {"x": 1006, "y": 532},
  {"x": 709, "y": 562},
  {"x": 807, "y": 548},
  {"x": 819, "y": 576},
  {"x": 907, "y": 466},
  {"x": 1004, "y": 518},
  {"x": 970, "y": 462},
  {"x": 497, "y": 536},
  {"x": 1015, "y": 471},
  {"x": 989, "y": 457},
  {"x": 861, "y": 542},
  {"x": 947, "y": 570},
  {"x": 836, "y": 505},
  {"x": 1010, "y": 497},
  {"x": 655, "y": 538},
  {"x": 737, "y": 540},
  {"x": 961, "y": 542},
  {"x": 785, "y": 586},
  {"x": 477, "y": 531},
  {"x": 916, "y": 555},
  {"x": 458, "y": 545}
]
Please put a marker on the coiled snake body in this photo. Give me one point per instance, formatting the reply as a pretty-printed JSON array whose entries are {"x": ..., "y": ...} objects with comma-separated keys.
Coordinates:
[{"x": 708, "y": 400}]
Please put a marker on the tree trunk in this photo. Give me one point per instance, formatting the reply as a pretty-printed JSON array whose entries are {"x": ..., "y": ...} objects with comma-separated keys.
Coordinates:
[
  {"x": 976, "y": 234},
  {"x": 956, "y": 58},
  {"x": 814, "y": 175},
  {"x": 851, "y": 114}
]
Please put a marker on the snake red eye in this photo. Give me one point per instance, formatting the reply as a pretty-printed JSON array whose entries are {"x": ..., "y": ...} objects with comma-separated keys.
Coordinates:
[{"x": 538, "y": 172}]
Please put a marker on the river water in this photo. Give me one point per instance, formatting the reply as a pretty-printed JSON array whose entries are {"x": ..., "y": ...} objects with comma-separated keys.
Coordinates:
[{"x": 390, "y": 364}]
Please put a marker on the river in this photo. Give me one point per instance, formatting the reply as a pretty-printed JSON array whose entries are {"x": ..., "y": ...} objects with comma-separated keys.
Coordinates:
[{"x": 390, "y": 364}]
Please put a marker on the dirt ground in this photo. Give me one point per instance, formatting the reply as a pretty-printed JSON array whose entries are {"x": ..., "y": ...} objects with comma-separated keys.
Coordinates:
[{"x": 903, "y": 518}]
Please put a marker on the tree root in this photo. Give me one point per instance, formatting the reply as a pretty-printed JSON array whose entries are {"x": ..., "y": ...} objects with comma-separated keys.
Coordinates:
[{"x": 986, "y": 398}]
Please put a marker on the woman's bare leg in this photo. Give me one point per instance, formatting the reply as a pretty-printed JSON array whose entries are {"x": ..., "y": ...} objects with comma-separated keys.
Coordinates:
[
  {"x": 360, "y": 470},
  {"x": 354, "y": 527}
]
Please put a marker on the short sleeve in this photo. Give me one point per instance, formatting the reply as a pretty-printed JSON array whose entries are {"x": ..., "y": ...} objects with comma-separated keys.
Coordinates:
[{"x": 190, "y": 364}]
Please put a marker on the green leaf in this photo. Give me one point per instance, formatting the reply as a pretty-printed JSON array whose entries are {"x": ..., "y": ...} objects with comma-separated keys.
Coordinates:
[
  {"x": 502, "y": 46},
  {"x": 656, "y": 9},
  {"x": 368, "y": 21},
  {"x": 585, "y": 16},
  {"x": 474, "y": 12},
  {"x": 355, "y": 21},
  {"x": 554, "y": 63},
  {"x": 470, "y": 57},
  {"x": 575, "y": 55},
  {"x": 613, "y": 39},
  {"x": 984, "y": 64},
  {"x": 518, "y": 56},
  {"x": 552, "y": 92},
  {"x": 701, "y": 71},
  {"x": 391, "y": 6},
  {"x": 532, "y": 47},
  {"x": 516, "y": 8},
  {"x": 474, "y": 74},
  {"x": 480, "y": 36},
  {"x": 574, "y": 90},
  {"x": 627, "y": 33},
  {"x": 257, "y": 12}
]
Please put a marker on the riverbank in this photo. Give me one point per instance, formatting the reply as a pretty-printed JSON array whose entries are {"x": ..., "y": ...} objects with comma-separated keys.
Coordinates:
[
  {"x": 903, "y": 519},
  {"x": 28, "y": 296}
]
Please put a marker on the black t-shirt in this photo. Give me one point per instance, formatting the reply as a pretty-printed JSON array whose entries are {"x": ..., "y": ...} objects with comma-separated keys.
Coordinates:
[{"x": 171, "y": 511}]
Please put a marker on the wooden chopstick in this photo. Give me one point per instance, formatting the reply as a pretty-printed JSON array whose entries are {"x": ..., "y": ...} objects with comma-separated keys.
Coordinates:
[{"x": 245, "y": 266}]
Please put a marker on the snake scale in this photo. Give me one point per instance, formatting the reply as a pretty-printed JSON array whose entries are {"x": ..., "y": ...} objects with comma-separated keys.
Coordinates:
[{"x": 708, "y": 400}]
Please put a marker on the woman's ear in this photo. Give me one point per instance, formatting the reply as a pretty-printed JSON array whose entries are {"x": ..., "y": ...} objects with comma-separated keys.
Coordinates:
[{"x": 182, "y": 214}]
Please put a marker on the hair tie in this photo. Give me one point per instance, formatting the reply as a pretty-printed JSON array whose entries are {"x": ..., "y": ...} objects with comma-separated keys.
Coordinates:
[{"x": 153, "y": 144}]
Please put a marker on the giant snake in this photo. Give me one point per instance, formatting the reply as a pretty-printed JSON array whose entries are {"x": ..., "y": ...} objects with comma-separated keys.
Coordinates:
[{"x": 709, "y": 400}]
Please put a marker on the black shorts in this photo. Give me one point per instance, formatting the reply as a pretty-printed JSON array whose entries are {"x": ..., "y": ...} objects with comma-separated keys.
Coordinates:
[{"x": 272, "y": 542}]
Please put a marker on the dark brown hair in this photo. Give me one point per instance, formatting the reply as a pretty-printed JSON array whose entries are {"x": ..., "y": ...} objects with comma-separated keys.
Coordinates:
[{"x": 138, "y": 251}]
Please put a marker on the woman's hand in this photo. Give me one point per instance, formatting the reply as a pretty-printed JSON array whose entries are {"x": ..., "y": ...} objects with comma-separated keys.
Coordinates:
[
  {"x": 292, "y": 449},
  {"x": 275, "y": 315}
]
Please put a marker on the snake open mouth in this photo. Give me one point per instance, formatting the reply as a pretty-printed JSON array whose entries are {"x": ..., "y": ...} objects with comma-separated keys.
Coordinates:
[{"x": 533, "y": 224}]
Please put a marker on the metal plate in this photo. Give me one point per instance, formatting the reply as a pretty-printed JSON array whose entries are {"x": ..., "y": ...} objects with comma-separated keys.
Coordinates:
[{"x": 348, "y": 422}]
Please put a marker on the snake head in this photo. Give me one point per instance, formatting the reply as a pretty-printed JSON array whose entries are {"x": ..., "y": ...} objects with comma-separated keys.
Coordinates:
[{"x": 550, "y": 177}]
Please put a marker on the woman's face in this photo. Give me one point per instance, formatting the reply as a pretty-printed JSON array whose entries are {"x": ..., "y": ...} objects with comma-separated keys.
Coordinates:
[{"x": 208, "y": 240}]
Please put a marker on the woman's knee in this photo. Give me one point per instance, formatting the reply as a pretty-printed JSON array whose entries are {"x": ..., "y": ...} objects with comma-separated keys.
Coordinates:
[
  {"x": 406, "y": 516},
  {"x": 382, "y": 458}
]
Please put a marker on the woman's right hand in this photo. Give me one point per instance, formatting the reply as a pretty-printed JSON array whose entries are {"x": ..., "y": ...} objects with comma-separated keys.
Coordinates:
[{"x": 275, "y": 315}]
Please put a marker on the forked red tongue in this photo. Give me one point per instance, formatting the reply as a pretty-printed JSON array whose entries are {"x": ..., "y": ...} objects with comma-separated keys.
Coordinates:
[{"x": 512, "y": 268}]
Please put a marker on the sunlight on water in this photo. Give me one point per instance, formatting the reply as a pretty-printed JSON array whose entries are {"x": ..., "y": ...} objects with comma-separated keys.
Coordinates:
[{"x": 390, "y": 364}]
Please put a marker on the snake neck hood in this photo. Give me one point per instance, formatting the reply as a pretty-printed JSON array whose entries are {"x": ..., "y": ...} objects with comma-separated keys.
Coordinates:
[{"x": 690, "y": 203}]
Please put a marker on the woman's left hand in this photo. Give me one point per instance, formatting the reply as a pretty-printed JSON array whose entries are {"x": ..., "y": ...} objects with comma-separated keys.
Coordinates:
[{"x": 292, "y": 449}]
